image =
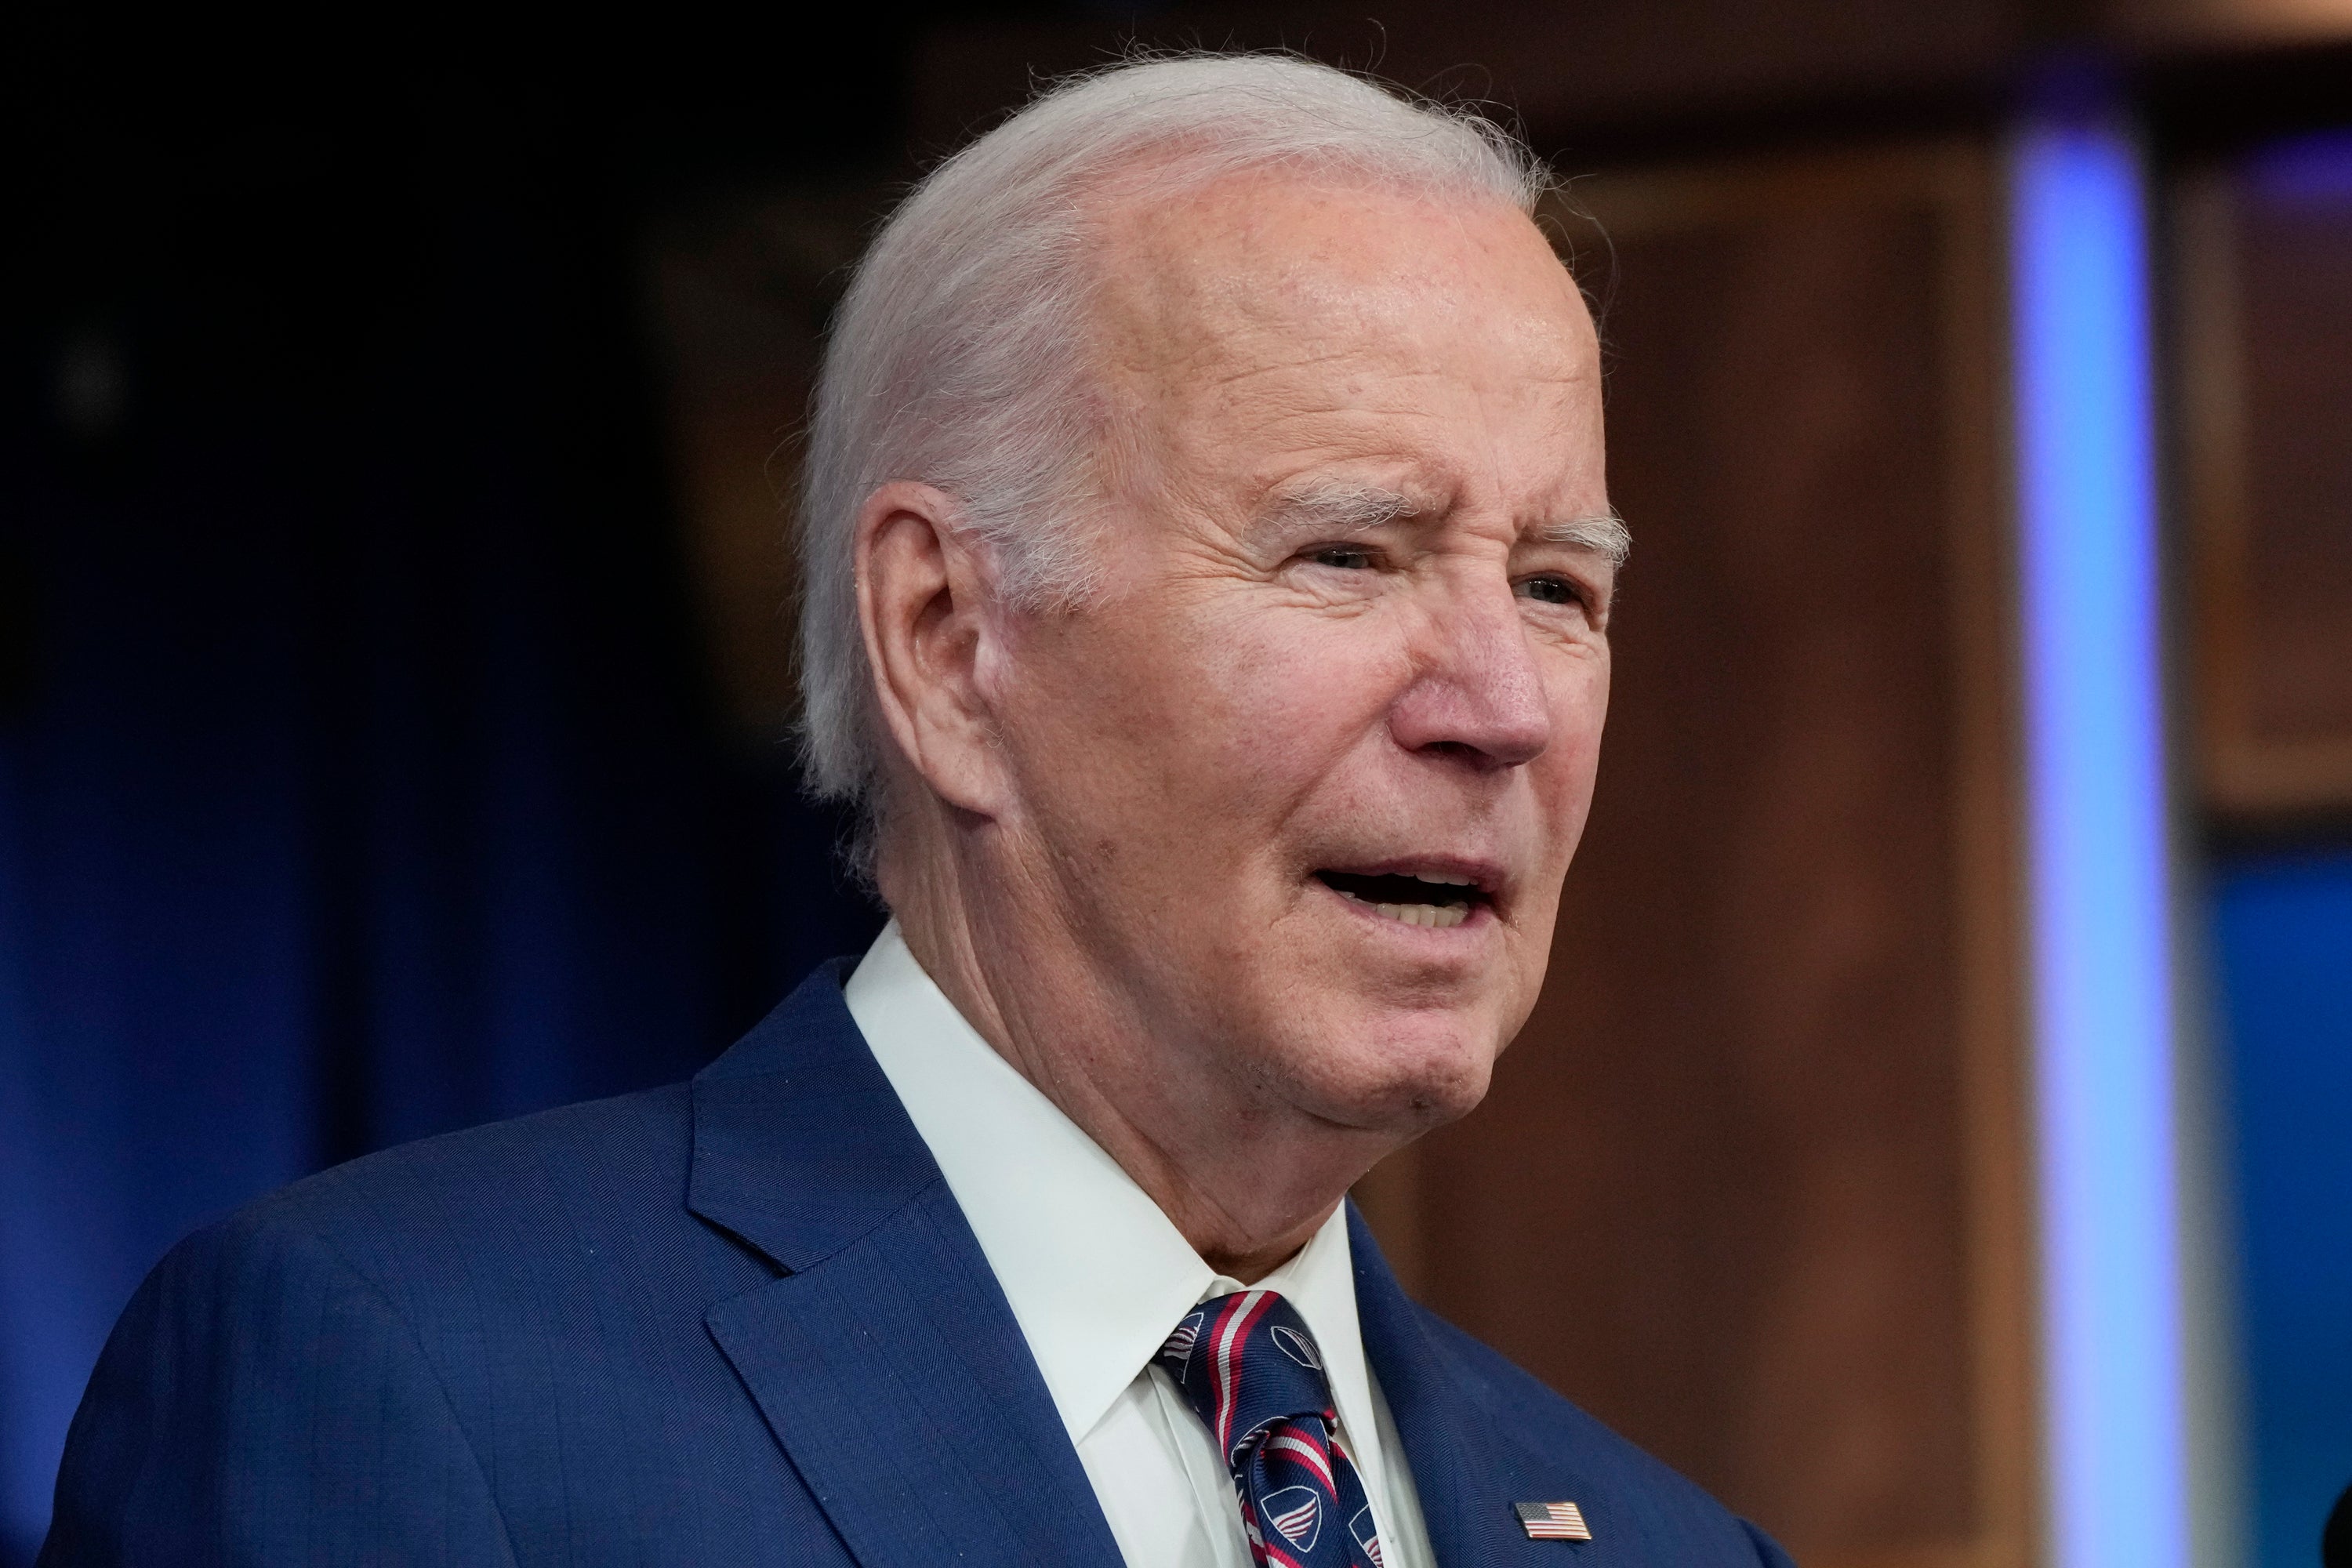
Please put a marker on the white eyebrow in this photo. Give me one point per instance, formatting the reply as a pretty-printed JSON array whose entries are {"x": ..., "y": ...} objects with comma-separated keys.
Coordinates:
[
  {"x": 1340, "y": 511},
  {"x": 1337, "y": 509},
  {"x": 1604, "y": 533}
]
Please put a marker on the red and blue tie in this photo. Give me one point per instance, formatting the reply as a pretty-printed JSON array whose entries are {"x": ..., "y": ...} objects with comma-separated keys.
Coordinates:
[{"x": 1250, "y": 1370}]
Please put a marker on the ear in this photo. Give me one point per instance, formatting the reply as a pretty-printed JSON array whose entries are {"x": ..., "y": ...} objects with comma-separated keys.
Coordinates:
[{"x": 926, "y": 601}]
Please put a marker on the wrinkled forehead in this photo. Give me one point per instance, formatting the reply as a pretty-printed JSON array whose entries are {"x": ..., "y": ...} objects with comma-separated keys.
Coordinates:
[
  {"x": 1265, "y": 299},
  {"x": 1268, "y": 267}
]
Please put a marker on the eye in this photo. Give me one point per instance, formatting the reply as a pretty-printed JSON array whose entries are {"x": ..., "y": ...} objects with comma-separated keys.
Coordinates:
[
  {"x": 1345, "y": 557},
  {"x": 1551, "y": 590}
]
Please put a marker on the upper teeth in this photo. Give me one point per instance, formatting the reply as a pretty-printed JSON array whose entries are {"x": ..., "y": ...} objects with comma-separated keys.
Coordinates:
[
  {"x": 1441, "y": 916},
  {"x": 1445, "y": 917}
]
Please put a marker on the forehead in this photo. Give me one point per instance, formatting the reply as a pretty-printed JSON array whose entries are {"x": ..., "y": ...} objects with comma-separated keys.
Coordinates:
[{"x": 1268, "y": 321}]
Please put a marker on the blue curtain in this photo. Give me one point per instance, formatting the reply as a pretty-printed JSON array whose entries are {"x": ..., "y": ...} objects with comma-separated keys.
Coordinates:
[
  {"x": 358, "y": 778},
  {"x": 2282, "y": 929}
]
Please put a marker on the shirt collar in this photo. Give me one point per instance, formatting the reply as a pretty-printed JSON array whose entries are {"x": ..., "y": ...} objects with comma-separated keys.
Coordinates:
[{"x": 1095, "y": 1274}]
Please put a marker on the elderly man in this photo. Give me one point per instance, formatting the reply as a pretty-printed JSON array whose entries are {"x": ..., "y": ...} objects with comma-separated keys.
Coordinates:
[{"x": 1208, "y": 570}]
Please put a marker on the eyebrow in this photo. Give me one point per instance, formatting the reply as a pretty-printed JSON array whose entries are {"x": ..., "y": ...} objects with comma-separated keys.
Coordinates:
[
  {"x": 1337, "y": 509},
  {"x": 1342, "y": 511},
  {"x": 1604, "y": 533}
]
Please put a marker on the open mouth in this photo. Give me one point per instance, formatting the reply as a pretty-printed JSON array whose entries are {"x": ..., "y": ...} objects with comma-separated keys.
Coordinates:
[{"x": 1437, "y": 899}]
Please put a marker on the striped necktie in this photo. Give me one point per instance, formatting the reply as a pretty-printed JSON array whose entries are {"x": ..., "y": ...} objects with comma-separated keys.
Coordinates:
[{"x": 1250, "y": 1370}]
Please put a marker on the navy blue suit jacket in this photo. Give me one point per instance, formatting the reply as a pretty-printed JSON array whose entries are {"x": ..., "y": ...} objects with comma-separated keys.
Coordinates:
[{"x": 739, "y": 1320}]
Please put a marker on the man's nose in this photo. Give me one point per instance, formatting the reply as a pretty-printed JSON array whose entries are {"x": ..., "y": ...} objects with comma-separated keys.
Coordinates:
[{"x": 1477, "y": 691}]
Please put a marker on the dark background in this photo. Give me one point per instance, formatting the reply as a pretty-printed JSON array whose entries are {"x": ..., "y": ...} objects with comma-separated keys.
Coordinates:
[
  {"x": 360, "y": 773},
  {"x": 366, "y": 769}
]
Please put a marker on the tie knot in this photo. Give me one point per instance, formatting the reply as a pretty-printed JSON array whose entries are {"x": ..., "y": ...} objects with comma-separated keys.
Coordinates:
[{"x": 1246, "y": 1362}]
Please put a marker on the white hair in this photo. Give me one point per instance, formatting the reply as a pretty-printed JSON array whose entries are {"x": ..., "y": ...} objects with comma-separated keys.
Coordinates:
[{"x": 959, "y": 355}]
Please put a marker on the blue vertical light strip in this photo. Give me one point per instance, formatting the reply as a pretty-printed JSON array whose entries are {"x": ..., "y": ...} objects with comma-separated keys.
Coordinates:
[{"x": 2101, "y": 895}]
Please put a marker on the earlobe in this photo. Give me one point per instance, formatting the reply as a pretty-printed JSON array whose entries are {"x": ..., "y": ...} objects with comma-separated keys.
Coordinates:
[{"x": 925, "y": 597}]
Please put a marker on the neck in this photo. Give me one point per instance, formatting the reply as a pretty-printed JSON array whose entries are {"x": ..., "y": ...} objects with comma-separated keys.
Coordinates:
[{"x": 1246, "y": 1179}]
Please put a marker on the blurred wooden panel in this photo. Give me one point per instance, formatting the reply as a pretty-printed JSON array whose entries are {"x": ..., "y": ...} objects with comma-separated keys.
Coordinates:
[
  {"x": 740, "y": 289},
  {"x": 1560, "y": 70},
  {"x": 1749, "y": 1186},
  {"x": 2264, "y": 267},
  {"x": 2177, "y": 26}
]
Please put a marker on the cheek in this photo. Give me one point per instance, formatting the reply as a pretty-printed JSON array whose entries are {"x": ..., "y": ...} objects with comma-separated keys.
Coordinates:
[
  {"x": 1137, "y": 720},
  {"x": 1571, "y": 765},
  {"x": 1264, "y": 704}
]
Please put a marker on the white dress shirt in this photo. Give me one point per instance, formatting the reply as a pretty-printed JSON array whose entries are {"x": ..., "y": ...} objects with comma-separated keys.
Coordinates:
[{"x": 1098, "y": 1275}]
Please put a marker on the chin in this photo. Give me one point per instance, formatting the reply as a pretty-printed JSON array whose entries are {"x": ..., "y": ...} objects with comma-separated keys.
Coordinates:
[{"x": 1399, "y": 1075}]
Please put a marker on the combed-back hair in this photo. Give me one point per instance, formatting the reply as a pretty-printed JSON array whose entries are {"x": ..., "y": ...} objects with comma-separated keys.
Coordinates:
[{"x": 960, "y": 353}]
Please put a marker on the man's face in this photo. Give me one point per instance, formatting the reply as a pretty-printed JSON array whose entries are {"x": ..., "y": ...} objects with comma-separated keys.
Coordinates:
[{"x": 1303, "y": 778}]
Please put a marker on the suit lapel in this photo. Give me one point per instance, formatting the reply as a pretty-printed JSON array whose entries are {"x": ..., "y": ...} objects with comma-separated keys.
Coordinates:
[
  {"x": 1443, "y": 1438},
  {"x": 1468, "y": 1466},
  {"x": 895, "y": 1376},
  {"x": 887, "y": 1362}
]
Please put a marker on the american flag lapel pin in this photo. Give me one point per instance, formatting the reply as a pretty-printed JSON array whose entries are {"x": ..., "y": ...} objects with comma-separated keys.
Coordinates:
[{"x": 1552, "y": 1520}]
